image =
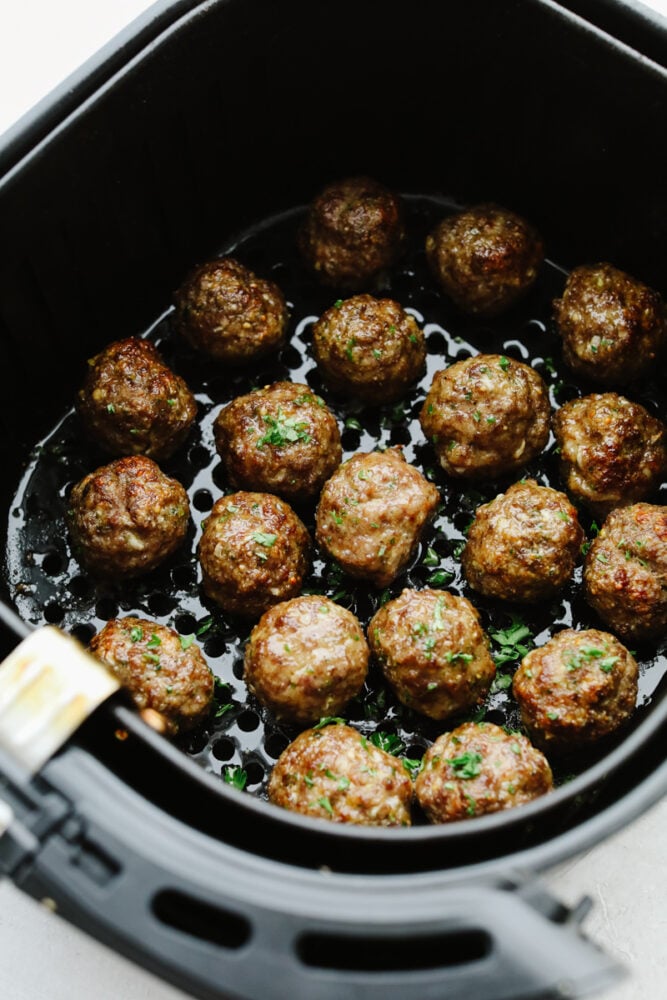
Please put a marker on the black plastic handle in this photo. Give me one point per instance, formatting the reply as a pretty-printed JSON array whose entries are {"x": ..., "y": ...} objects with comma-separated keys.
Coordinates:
[{"x": 221, "y": 922}]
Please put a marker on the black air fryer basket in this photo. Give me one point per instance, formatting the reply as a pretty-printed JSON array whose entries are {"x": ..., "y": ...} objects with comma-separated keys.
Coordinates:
[{"x": 205, "y": 129}]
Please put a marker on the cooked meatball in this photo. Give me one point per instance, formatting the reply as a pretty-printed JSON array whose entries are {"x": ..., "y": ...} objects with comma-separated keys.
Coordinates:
[
  {"x": 253, "y": 553},
  {"x": 305, "y": 659},
  {"x": 127, "y": 517},
  {"x": 161, "y": 669},
  {"x": 523, "y": 545},
  {"x": 479, "y": 768},
  {"x": 335, "y": 773},
  {"x": 369, "y": 348},
  {"x": 485, "y": 258},
  {"x": 353, "y": 231},
  {"x": 625, "y": 573},
  {"x": 131, "y": 403},
  {"x": 432, "y": 651},
  {"x": 228, "y": 313},
  {"x": 371, "y": 514},
  {"x": 578, "y": 687},
  {"x": 486, "y": 416},
  {"x": 281, "y": 439},
  {"x": 612, "y": 326},
  {"x": 612, "y": 451}
]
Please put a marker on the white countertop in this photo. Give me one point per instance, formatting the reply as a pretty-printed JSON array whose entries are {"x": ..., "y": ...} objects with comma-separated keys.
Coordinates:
[{"x": 44, "y": 958}]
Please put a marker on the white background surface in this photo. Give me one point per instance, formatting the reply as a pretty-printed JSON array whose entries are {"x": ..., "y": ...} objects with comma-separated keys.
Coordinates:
[{"x": 42, "y": 957}]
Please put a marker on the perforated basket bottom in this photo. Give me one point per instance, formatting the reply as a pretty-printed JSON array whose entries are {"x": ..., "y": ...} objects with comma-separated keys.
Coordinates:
[{"x": 48, "y": 585}]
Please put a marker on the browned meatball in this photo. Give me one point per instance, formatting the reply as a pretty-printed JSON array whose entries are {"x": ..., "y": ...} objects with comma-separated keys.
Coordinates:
[
  {"x": 161, "y": 669},
  {"x": 578, "y": 687},
  {"x": 228, "y": 313},
  {"x": 612, "y": 451},
  {"x": 613, "y": 326},
  {"x": 253, "y": 553},
  {"x": 485, "y": 258},
  {"x": 432, "y": 651},
  {"x": 625, "y": 573},
  {"x": 369, "y": 348},
  {"x": 486, "y": 416},
  {"x": 306, "y": 658},
  {"x": 479, "y": 768},
  {"x": 352, "y": 232},
  {"x": 335, "y": 773},
  {"x": 127, "y": 517},
  {"x": 523, "y": 545},
  {"x": 372, "y": 512},
  {"x": 131, "y": 403},
  {"x": 281, "y": 439}
]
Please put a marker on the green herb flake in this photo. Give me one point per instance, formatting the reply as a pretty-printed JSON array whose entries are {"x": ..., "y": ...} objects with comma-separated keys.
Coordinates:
[
  {"x": 504, "y": 363},
  {"x": 111, "y": 408},
  {"x": 136, "y": 633},
  {"x": 352, "y": 424},
  {"x": 431, "y": 558},
  {"x": 153, "y": 641},
  {"x": 412, "y": 766},
  {"x": 235, "y": 776},
  {"x": 468, "y": 765},
  {"x": 388, "y": 742},
  {"x": 440, "y": 578},
  {"x": 204, "y": 627},
  {"x": 264, "y": 538},
  {"x": 186, "y": 641},
  {"x": 338, "y": 303},
  {"x": 329, "y": 720},
  {"x": 283, "y": 430},
  {"x": 477, "y": 416},
  {"x": 452, "y": 657}
]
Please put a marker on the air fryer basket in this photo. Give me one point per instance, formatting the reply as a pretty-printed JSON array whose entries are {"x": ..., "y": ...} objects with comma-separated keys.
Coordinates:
[{"x": 235, "y": 112}]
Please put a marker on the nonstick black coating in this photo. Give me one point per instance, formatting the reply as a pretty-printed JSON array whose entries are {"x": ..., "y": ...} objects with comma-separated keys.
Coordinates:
[{"x": 48, "y": 585}]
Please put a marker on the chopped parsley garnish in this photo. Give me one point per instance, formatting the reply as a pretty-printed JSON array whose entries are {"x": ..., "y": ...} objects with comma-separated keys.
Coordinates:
[
  {"x": 431, "y": 558},
  {"x": 283, "y": 430},
  {"x": 186, "y": 641},
  {"x": 264, "y": 538},
  {"x": 236, "y": 776},
  {"x": 504, "y": 363},
  {"x": 388, "y": 742},
  {"x": 136, "y": 634},
  {"x": 153, "y": 641},
  {"x": 338, "y": 303},
  {"x": 111, "y": 408},
  {"x": 467, "y": 765},
  {"x": 440, "y": 578},
  {"x": 412, "y": 766},
  {"x": 352, "y": 424},
  {"x": 500, "y": 683},
  {"x": 511, "y": 641},
  {"x": 204, "y": 627},
  {"x": 451, "y": 657},
  {"x": 326, "y": 804},
  {"x": 329, "y": 720}
]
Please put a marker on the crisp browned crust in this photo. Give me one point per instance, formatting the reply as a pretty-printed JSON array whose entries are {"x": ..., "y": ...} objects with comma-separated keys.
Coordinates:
[
  {"x": 523, "y": 545},
  {"x": 612, "y": 325},
  {"x": 353, "y": 231},
  {"x": 253, "y": 553},
  {"x": 127, "y": 517},
  {"x": 335, "y": 773},
  {"x": 479, "y": 768},
  {"x": 369, "y": 348},
  {"x": 280, "y": 439},
  {"x": 162, "y": 670},
  {"x": 486, "y": 416},
  {"x": 306, "y": 658},
  {"x": 227, "y": 312},
  {"x": 432, "y": 651},
  {"x": 577, "y": 688},
  {"x": 131, "y": 403},
  {"x": 371, "y": 514},
  {"x": 485, "y": 258},
  {"x": 625, "y": 573}
]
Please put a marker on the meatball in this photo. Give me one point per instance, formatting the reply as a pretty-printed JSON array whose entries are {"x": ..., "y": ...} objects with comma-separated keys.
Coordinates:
[
  {"x": 578, "y": 687},
  {"x": 432, "y": 651},
  {"x": 612, "y": 326},
  {"x": 131, "y": 403},
  {"x": 479, "y": 768},
  {"x": 523, "y": 545},
  {"x": 625, "y": 572},
  {"x": 369, "y": 348},
  {"x": 161, "y": 669},
  {"x": 281, "y": 439},
  {"x": 335, "y": 773},
  {"x": 127, "y": 517},
  {"x": 612, "y": 451},
  {"x": 305, "y": 659},
  {"x": 486, "y": 416},
  {"x": 228, "y": 313},
  {"x": 253, "y": 553},
  {"x": 353, "y": 231},
  {"x": 371, "y": 514},
  {"x": 485, "y": 258}
]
